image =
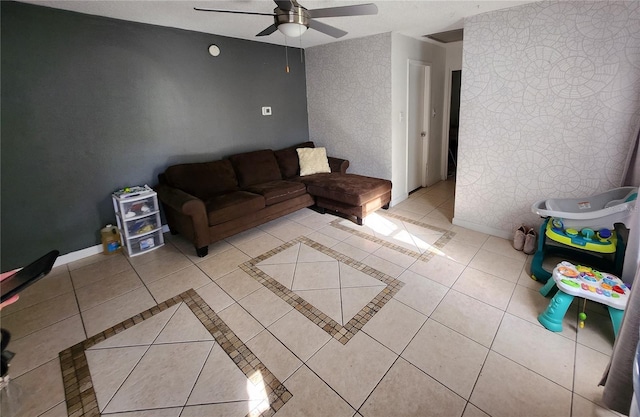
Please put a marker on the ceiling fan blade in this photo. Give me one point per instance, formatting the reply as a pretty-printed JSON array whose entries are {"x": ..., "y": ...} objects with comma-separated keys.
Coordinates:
[
  {"x": 268, "y": 31},
  {"x": 231, "y": 11},
  {"x": 355, "y": 10},
  {"x": 327, "y": 29},
  {"x": 285, "y": 5}
]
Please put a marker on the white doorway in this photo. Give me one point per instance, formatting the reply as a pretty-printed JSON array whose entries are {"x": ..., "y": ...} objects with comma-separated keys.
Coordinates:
[{"x": 418, "y": 125}]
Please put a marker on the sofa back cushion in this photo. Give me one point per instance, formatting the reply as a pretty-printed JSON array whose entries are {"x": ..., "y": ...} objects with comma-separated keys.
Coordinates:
[
  {"x": 255, "y": 167},
  {"x": 288, "y": 159},
  {"x": 203, "y": 180}
]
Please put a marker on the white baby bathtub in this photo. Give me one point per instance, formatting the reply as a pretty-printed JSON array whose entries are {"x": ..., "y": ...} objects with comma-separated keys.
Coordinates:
[{"x": 600, "y": 211}]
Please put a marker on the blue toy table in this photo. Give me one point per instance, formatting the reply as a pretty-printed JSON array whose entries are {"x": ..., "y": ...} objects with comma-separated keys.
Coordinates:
[{"x": 570, "y": 281}]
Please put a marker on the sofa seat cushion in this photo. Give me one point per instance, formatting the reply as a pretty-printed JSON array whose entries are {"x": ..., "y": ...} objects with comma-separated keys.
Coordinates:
[
  {"x": 352, "y": 189},
  {"x": 255, "y": 167},
  {"x": 204, "y": 179},
  {"x": 277, "y": 191},
  {"x": 225, "y": 207}
]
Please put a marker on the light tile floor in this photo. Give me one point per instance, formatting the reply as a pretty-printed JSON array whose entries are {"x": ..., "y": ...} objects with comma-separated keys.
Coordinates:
[{"x": 308, "y": 315}]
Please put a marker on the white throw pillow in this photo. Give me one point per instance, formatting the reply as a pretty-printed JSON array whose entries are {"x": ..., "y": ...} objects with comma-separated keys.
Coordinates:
[{"x": 313, "y": 161}]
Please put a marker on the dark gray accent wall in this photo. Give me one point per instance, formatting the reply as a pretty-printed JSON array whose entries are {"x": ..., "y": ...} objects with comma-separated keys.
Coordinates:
[{"x": 91, "y": 105}]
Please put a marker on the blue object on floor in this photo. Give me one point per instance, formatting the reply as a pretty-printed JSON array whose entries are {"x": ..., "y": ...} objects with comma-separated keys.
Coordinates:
[
  {"x": 571, "y": 281},
  {"x": 552, "y": 317}
]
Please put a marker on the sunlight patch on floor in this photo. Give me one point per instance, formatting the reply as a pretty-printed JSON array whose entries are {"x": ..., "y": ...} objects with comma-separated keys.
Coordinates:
[
  {"x": 404, "y": 236},
  {"x": 422, "y": 245},
  {"x": 258, "y": 398},
  {"x": 384, "y": 227},
  {"x": 380, "y": 225}
]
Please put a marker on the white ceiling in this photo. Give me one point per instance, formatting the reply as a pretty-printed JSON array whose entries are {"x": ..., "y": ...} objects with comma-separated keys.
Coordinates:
[{"x": 411, "y": 18}]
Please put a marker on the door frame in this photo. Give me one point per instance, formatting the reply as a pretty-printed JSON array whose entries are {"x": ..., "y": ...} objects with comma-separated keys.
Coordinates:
[
  {"x": 446, "y": 115},
  {"x": 426, "y": 121}
]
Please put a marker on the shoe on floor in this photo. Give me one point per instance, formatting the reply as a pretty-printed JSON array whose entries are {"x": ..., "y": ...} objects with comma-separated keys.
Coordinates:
[
  {"x": 530, "y": 242},
  {"x": 519, "y": 238}
]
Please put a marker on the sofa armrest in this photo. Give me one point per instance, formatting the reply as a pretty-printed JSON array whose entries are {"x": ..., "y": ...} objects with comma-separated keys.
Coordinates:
[
  {"x": 184, "y": 204},
  {"x": 179, "y": 200},
  {"x": 338, "y": 164}
]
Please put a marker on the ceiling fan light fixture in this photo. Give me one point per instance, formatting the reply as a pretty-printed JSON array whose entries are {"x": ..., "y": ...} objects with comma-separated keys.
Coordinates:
[
  {"x": 292, "y": 30},
  {"x": 292, "y": 19}
]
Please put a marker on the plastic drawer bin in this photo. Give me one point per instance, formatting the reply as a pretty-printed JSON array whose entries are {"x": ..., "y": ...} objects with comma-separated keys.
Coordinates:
[
  {"x": 145, "y": 243},
  {"x": 138, "y": 218},
  {"x": 142, "y": 226},
  {"x": 139, "y": 207}
]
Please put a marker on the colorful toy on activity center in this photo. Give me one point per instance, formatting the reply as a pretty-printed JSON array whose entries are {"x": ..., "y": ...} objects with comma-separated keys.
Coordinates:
[{"x": 603, "y": 240}]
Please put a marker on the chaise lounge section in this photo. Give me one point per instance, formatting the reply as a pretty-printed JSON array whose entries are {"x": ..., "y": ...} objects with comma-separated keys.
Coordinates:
[
  {"x": 209, "y": 201},
  {"x": 350, "y": 194}
]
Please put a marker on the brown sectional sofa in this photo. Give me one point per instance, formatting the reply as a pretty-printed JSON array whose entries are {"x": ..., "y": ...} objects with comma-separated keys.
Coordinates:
[{"x": 210, "y": 201}]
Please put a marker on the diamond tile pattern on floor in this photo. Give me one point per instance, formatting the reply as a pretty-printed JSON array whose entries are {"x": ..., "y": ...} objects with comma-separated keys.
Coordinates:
[
  {"x": 336, "y": 292},
  {"x": 177, "y": 354},
  {"x": 335, "y": 288},
  {"x": 307, "y": 315}
]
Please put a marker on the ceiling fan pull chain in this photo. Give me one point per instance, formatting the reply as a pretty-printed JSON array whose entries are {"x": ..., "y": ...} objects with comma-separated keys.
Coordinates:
[{"x": 286, "y": 53}]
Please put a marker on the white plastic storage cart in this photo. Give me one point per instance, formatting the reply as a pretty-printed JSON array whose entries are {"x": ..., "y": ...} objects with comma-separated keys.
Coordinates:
[{"x": 138, "y": 219}]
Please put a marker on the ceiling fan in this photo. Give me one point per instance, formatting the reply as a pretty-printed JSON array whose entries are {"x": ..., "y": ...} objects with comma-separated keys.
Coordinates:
[{"x": 293, "y": 20}]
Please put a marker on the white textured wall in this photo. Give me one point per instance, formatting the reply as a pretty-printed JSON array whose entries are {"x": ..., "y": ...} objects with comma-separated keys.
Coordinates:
[
  {"x": 550, "y": 96},
  {"x": 349, "y": 102}
]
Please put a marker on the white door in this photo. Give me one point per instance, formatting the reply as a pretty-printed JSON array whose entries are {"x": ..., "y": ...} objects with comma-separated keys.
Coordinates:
[
  {"x": 435, "y": 148},
  {"x": 419, "y": 103}
]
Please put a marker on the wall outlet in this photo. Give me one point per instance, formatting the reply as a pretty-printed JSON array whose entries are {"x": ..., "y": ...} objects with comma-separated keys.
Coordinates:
[{"x": 266, "y": 111}]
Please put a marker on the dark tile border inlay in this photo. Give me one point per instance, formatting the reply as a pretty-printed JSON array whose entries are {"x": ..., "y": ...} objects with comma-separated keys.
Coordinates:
[
  {"x": 341, "y": 333},
  {"x": 80, "y": 395},
  {"x": 446, "y": 237},
  {"x": 344, "y": 333}
]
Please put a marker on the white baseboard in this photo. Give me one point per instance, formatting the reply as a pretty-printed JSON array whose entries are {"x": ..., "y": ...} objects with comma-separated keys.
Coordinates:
[
  {"x": 77, "y": 255},
  {"x": 86, "y": 252},
  {"x": 398, "y": 200},
  {"x": 94, "y": 250},
  {"x": 505, "y": 234}
]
